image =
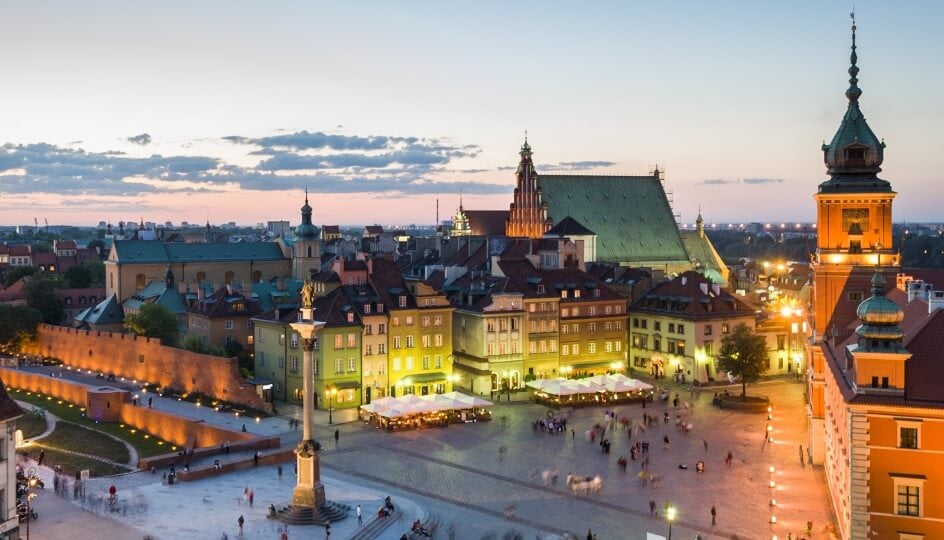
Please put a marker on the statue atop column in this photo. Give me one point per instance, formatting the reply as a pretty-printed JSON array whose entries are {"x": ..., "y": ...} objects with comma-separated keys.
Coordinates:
[{"x": 308, "y": 294}]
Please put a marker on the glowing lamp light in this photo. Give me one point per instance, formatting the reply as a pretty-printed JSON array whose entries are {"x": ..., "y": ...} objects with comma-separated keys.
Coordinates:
[
  {"x": 772, "y": 469},
  {"x": 773, "y": 484},
  {"x": 773, "y": 502},
  {"x": 770, "y": 409},
  {"x": 770, "y": 428},
  {"x": 773, "y": 519}
]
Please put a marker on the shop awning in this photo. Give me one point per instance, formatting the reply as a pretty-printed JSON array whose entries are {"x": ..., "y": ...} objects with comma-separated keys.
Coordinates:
[
  {"x": 346, "y": 385},
  {"x": 425, "y": 377}
]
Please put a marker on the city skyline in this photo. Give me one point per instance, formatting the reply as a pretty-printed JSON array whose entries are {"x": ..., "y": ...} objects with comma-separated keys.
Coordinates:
[{"x": 243, "y": 109}]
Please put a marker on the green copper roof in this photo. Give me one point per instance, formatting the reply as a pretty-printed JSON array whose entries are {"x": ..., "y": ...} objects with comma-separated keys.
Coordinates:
[
  {"x": 630, "y": 215},
  {"x": 152, "y": 251},
  {"x": 105, "y": 312},
  {"x": 854, "y": 156},
  {"x": 702, "y": 252}
]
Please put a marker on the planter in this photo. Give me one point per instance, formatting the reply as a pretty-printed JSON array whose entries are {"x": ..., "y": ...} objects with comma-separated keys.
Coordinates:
[{"x": 754, "y": 404}]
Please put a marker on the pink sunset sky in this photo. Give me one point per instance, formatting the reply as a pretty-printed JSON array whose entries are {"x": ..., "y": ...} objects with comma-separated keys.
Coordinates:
[{"x": 225, "y": 112}]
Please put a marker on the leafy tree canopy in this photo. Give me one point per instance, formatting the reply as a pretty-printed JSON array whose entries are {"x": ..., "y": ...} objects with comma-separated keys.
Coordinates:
[
  {"x": 743, "y": 354},
  {"x": 18, "y": 272},
  {"x": 18, "y": 322},
  {"x": 154, "y": 320},
  {"x": 87, "y": 274},
  {"x": 41, "y": 296}
]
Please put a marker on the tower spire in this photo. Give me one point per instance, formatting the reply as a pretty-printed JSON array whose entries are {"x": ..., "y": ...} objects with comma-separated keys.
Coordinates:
[{"x": 853, "y": 92}]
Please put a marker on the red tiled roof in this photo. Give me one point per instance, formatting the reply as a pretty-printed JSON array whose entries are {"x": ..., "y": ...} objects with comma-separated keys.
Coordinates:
[
  {"x": 487, "y": 222},
  {"x": 924, "y": 371},
  {"x": 684, "y": 295}
]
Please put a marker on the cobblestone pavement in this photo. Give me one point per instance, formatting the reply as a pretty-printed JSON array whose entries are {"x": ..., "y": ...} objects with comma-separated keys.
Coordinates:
[
  {"x": 457, "y": 472},
  {"x": 461, "y": 467}
]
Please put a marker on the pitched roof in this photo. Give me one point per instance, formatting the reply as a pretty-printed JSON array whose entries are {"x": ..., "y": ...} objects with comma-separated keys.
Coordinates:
[
  {"x": 702, "y": 252},
  {"x": 567, "y": 227},
  {"x": 389, "y": 283},
  {"x": 333, "y": 309},
  {"x": 692, "y": 294},
  {"x": 157, "y": 292},
  {"x": 630, "y": 215},
  {"x": 105, "y": 312},
  {"x": 8, "y": 407},
  {"x": 487, "y": 222},
  {"x": 150, "y": 251},
  {"x": 223, "y": 303}
]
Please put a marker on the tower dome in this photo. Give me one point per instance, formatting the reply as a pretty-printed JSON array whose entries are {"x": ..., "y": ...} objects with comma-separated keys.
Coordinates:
[
  {"x": 880, "y": 316},
  {"x": 306, "y": 231}
]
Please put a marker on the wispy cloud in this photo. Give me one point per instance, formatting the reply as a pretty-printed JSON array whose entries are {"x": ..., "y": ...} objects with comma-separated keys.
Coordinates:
[
  {"x": 324, "y": 163},
  {"x": 749, "y": 181},
  {"x": 575, "y": 165},
  {"x": 143, "y": 139}
]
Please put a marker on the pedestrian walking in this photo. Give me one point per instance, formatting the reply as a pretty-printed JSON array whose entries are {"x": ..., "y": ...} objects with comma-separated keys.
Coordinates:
[
  {"x": 705, "y": 443},
  {"x": 714, "y": 514},
  {"x": 337, "y": 435},
  {"x": 42, "y": 455},
  {"x": 240, "y": 522},
  {"x": 252, "y": 495},
  {"x": 589, "y": 534},
  {"x": 652, "y": 507},
  {"x": 279, "y": 472},
  {"x": 151, "y": 406},
  {"x": 255, "y": 459},
  {"x": 727, "y": 459},
  {"x": 360, "y": 517}
]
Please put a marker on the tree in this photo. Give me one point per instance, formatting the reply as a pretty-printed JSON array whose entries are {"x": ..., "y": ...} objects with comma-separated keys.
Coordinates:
[
  {"x": 154, "y": 320},
  {"x": 41, "y": 296},
  {"x": 195, "y": 343},
  {"x": 17, "y": 322},
  {"x": 19, "y": 272},
  {"x": 744, "y": 355},
  {"x": 97, "y": 243},
  {"x": 87, "y": 274}
]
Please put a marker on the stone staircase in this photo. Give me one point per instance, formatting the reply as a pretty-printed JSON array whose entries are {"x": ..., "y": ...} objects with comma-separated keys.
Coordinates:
[
  {"x": 327, "y": 513},
  {"x": 373, "y": 528}
]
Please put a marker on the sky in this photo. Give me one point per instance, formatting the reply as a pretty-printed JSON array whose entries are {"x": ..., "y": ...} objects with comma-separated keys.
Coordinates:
[{"x": 225, "y": 111}]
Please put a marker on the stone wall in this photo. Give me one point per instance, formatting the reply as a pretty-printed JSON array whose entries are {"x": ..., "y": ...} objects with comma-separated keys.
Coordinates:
[
  {"x": 177, "y": 430},
  {"x": 145, "y": 359}
]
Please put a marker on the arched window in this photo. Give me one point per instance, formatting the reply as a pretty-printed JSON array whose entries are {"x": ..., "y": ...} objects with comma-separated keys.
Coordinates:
[
  {"x": 201, "y": 277},
  {"x": 139, "y": 281},
  {"x": 309, "y": 251},
  {"x": 228, "y": 277}
]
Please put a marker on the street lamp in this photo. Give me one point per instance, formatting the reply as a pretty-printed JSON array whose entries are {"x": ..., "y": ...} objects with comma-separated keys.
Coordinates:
[
  {"x": 330, "y": 393},
  {"x": 670, "y": 517},
  {"x": 31, "y": 482}
]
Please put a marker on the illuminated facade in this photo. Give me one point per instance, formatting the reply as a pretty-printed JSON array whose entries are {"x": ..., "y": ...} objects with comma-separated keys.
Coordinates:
[
  {"x": 854, "y": 224},
  {"x": 527, "y": 216},
  {"x": 876, "y": 381}
]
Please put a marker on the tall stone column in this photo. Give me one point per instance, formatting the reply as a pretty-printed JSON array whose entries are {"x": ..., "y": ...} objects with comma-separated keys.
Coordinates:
[{"x": 308, "y": 490}]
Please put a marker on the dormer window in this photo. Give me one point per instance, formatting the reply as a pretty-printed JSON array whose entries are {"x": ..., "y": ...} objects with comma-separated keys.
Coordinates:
[
  {"x": 366, "y": 309},
  {"x": 350, "y": 317},
  {"x": 855, "y": 156},
  {"x": 403, "y": 301},
  {"x": 540, "y": 289},
  {"x": 380, "y": 308}
]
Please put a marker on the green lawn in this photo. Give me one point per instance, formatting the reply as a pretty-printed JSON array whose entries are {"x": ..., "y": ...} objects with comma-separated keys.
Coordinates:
[
  {"x": 85, "y": 440},
  {"x": 71, "y": 463},
  {"x": 31, "y": 425},
  {"x": 146, "y": 445}
]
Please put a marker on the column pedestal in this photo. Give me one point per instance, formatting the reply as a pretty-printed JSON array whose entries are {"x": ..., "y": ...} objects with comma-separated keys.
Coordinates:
[{"x": 308, "y": 490}]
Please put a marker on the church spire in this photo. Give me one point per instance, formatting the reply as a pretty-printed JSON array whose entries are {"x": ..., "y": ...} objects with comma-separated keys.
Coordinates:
[{"x": 306, "y": 230}]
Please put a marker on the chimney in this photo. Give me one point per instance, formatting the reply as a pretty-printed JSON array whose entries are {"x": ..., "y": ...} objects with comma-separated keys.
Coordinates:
[
  {"x": 229, "y": 289},
  {"x": 280, "y": 284},
  {"x": 247, "y": 289},
  {"x": 935, "y": 301},
  {"x": 201, "y": 292},
  {"x": 703, "y": 286},
  {"x": 277, "y": 314}
]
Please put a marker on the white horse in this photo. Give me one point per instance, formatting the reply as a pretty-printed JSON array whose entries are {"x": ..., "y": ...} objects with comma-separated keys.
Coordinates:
[
  {"x": 582, "y": 484},
  {"x": 549, "y": 476}
]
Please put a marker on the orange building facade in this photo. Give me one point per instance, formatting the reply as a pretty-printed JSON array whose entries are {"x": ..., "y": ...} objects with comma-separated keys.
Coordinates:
[{"x": 876, "y": 372}]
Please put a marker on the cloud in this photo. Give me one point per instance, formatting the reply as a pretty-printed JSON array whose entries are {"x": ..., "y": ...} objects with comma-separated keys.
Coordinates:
[
  {"x": 143, "y": 139},
  {"x": 750, "y": 181},
  {"x": 372, "y": 164}
]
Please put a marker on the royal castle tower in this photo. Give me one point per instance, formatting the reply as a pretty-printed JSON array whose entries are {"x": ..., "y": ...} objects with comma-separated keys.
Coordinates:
[
  {"x": 854, "y": 238},
  {"x": 527, "y": 216}
]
